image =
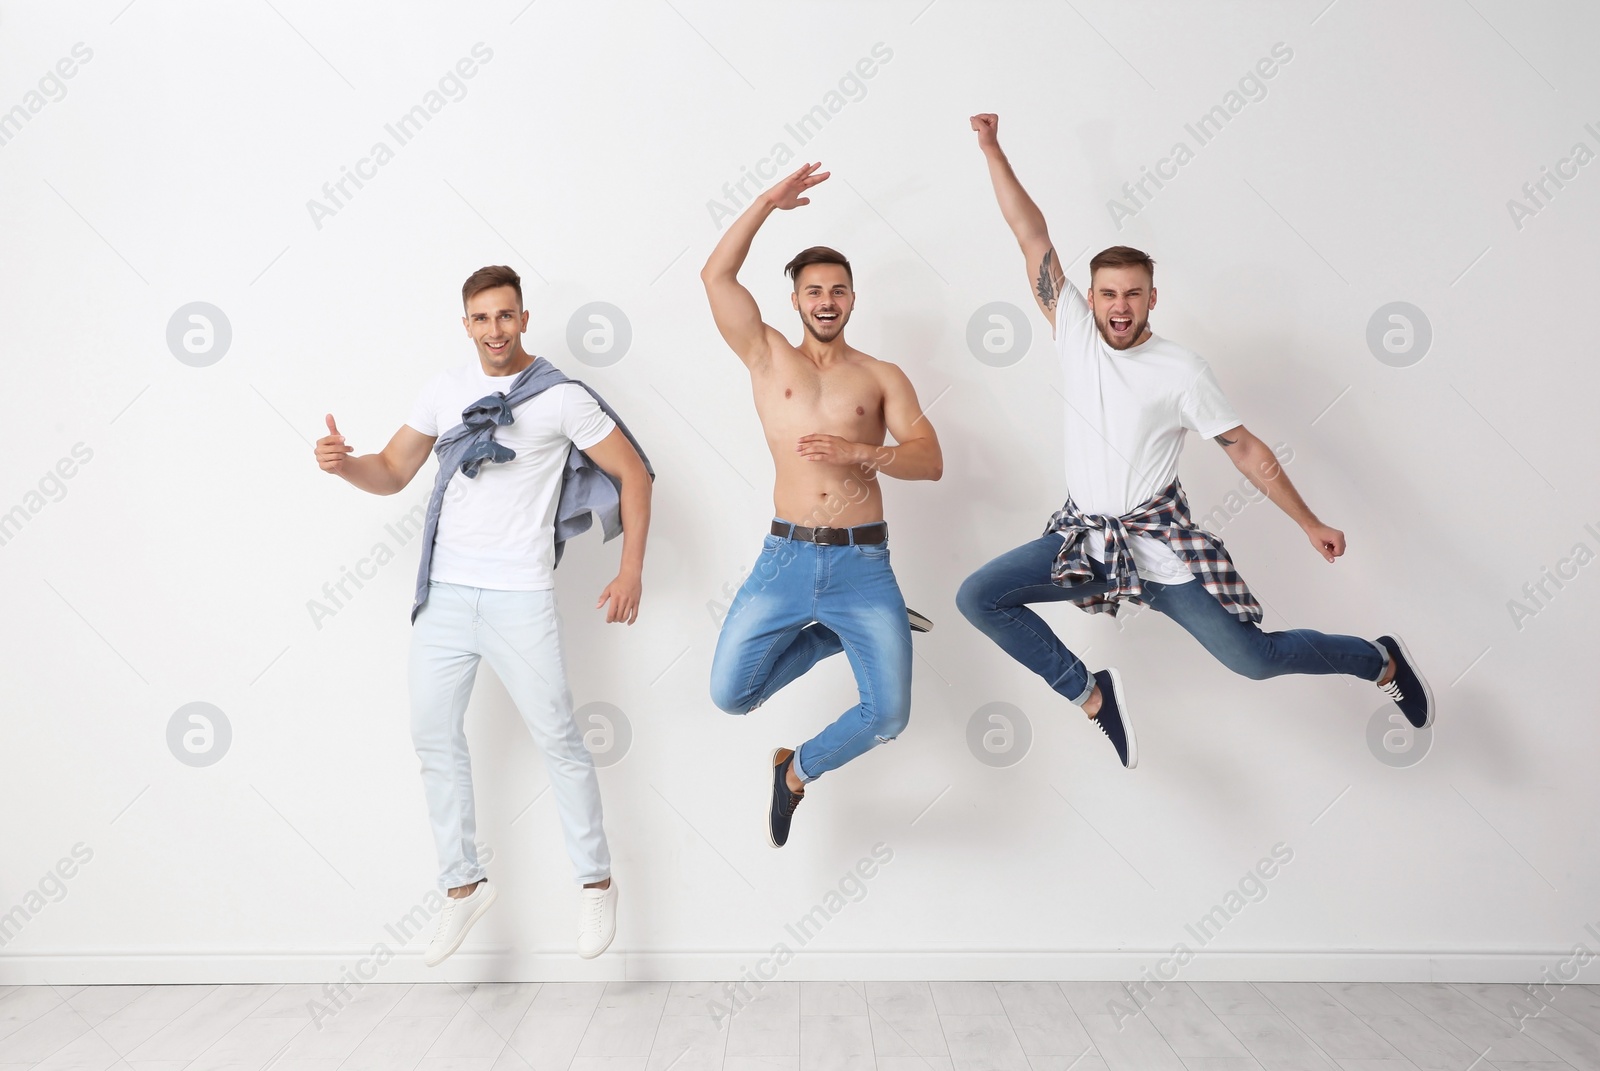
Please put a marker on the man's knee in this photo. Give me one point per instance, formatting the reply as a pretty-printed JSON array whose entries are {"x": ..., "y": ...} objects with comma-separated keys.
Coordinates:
[
  {"x": 1251, "y": 664},
  {"x": 433, "y": 756},
  {"x": 889, "y": 722},
  {"x": 564, "y": 754},
  {"x": 730, "y": 699},
  {"x": 557, "y": 733},
  {"x": 973, "y": 598}
]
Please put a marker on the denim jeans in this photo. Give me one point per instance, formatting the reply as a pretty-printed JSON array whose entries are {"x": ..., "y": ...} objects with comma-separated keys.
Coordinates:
[
  {"x": 517, "y": 631},
  {"x": 801, "y": 603},
  {"x": 995, "y": 599}
]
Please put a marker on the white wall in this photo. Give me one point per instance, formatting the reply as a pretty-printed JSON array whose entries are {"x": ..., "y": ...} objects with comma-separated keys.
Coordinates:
[{"x": 176, "y": 564}]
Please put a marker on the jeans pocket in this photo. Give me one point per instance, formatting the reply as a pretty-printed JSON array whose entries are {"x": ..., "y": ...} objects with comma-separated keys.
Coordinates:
[
  {"x": 776, "y": 552},
  {"x": 873, "y": 551}
]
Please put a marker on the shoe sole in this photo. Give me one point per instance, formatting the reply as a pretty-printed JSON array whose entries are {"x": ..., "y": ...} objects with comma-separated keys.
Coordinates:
[
  {"x": 917, "y": 622},
  {"x": 591, "y": 955},
  {"x": 1127, "y": 724},
  {"x": 472, "y": 919},
  {"x": 1427, "y": 692},
  {"x": 596, "y": 953}
]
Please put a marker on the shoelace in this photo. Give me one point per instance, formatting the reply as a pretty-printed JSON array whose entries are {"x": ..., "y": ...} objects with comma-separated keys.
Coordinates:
[
  {"x": 593, "y": 910},
  {"x": 1392, "y": 689},
  {"x": 445, "y": 916}
]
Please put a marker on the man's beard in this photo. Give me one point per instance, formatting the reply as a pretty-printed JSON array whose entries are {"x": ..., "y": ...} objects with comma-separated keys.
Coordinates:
[{"x": 1133, "y": 336}]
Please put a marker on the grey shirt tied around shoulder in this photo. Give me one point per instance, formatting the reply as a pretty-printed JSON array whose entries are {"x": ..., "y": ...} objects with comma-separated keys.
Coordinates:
[{"x": 586, "y": 489}]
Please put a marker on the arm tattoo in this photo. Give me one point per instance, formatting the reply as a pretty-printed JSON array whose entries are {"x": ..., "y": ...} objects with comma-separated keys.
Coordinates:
[
  {"x": 1223, "y": 440},
  {"x": 1046, "y": 285}
]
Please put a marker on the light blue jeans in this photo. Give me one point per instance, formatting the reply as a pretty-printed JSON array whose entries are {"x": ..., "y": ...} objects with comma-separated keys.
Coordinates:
[
  {"x": 801, "y": 603},
  {"x": 517, "y": 631}
]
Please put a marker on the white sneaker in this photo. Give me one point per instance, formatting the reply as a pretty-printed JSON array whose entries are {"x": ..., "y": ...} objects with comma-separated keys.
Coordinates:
[
  {"x": 455, "y": 919},
  {"x": 597, "y": 919}
]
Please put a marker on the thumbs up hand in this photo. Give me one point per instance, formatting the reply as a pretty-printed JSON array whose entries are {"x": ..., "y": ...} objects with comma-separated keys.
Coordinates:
[{"x": 331, "y": 449}]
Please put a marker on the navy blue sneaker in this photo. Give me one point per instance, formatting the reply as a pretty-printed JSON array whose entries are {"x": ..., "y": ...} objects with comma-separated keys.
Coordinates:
[
  {"x": 1407, "y": 688},
  {"x": 1112, "y": 718},
  {"x": 784, "y": 802}
]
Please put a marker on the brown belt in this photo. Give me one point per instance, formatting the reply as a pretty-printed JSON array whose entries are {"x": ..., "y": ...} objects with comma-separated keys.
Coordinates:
[{"x": 861, "y": 534}]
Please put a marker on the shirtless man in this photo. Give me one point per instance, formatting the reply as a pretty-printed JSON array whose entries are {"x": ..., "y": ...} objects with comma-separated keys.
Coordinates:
[{"x": 822, "y": 582}]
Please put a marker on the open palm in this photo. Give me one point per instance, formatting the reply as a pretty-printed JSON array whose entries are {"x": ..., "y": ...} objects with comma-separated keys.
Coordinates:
[{"x": 787, "y": 194}]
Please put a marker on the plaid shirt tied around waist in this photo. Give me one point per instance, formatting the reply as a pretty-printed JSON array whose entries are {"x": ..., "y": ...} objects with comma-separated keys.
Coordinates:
[{"x": 1165, "y": 517}]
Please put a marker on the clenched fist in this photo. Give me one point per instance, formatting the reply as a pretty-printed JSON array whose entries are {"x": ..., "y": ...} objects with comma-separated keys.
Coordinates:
[{"x": 987, "y": 124}]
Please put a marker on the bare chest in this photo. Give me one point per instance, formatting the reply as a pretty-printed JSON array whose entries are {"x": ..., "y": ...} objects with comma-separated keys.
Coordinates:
[{"x": 844, "y": 399}]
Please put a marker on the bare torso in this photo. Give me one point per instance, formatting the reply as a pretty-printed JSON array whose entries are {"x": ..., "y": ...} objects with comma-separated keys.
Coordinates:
[{"x": 795, "y": 397}]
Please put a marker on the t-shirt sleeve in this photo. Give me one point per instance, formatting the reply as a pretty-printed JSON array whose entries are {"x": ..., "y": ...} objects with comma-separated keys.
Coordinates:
[
  {"x": 1205, "y": 408},
  {"x": 1071, "y": 311},
  {"x": 424, "y": 414},
  {"x": 582, "y": 419}
]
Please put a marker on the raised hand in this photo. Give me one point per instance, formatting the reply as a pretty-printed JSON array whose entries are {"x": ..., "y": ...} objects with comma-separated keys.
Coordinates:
[
  {"x": 786, "y": 194},
  {"x": 987, "y": 124},
  {"x": 331, "y": 449}
]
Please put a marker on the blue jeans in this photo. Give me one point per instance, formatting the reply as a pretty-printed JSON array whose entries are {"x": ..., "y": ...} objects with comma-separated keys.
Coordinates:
[
  {"x": 994, "y": 599},
  {"x": 801, "y": 603}
]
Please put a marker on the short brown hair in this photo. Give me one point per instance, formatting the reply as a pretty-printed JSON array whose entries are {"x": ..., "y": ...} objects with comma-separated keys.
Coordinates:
[
  {"x": 489, "y": 278},
  {"x": 1122, "y": 256},
  {"x": 817, "y": 254}
]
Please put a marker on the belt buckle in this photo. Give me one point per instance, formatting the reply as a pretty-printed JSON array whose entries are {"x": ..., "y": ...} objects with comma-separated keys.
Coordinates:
[{"x": 818, "y": 538}]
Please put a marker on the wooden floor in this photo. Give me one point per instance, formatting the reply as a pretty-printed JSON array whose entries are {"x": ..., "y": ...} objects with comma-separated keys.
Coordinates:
[{"x": 804, "y": 1026}]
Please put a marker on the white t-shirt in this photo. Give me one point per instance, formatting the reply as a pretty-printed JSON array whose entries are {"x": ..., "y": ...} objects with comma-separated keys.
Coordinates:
[
  {"x": 498, "y": 530},
  {"x": 1126, "y": 414}
]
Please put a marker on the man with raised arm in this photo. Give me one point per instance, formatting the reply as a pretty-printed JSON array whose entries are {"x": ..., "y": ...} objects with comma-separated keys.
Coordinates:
[
  {"x": 1125, "y": 531},
  {"x": 822, "y": 582},
  {"x": 526, "y": 456}
]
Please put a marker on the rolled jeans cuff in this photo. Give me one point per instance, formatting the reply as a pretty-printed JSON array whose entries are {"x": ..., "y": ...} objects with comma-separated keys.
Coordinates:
[
  {"x": 1088, "y": 688},
  {"x": 799, "y": 771},
  {"x": 1383, "y": 653}
]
